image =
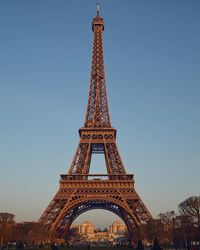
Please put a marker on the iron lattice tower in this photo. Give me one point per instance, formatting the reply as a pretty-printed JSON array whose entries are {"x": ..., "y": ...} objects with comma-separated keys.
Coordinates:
[{"x": 80, "y": 191}]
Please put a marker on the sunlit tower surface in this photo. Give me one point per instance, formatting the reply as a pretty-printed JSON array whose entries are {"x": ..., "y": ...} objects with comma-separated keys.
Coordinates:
[{"x": 80, "y": 191}]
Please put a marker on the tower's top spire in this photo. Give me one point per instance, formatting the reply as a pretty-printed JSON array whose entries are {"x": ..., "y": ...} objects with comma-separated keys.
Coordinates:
[
  {"x": 97, "y": 114},
  {"x": 98, "y": 23},
  {"x": 98, "y": 5}
]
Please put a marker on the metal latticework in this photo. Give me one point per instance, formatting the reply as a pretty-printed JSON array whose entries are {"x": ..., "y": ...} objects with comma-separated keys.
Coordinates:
[
  {"x": 79, "y": 191},
  {"x": 97, "y": 114}
]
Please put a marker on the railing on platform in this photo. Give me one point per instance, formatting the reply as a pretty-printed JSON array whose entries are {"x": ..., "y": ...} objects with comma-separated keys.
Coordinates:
[{"x": 96, "y": 177}]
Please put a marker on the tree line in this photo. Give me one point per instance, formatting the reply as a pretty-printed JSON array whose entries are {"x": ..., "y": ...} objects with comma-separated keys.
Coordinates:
[{"x": 179, "y": 230}]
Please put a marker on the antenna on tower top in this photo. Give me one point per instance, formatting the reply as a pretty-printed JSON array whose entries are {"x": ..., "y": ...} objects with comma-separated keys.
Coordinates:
[{"x": 98, "y": 5}]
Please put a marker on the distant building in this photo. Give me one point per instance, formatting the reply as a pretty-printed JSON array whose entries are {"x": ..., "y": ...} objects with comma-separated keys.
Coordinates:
[
  {"x": 87, "y": 232},
  {"x": 117, "y": 228},
  {"x": 86, "y": 228}
]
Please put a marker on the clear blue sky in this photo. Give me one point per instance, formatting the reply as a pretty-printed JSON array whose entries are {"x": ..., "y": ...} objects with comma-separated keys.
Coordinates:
[{"x": 152, "y": 59}]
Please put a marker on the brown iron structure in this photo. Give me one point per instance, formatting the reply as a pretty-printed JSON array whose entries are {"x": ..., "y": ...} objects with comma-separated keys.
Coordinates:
[{"x": 80, "y": 191}]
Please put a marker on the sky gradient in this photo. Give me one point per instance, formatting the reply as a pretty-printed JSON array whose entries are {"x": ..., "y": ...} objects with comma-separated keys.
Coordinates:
[{"x": 152, "y": 62}]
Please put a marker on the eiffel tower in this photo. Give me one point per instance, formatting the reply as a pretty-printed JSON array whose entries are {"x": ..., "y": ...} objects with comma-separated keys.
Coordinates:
[{"x": 80, "y": 191}]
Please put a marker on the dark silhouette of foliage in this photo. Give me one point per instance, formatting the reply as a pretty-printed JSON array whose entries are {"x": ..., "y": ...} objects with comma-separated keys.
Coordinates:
[
  {"x": 6, "y": 220},
  {"x": 156, "y": 245},
  {"x": 189, "y": 209},
  {"x": 140, "y": 245}
]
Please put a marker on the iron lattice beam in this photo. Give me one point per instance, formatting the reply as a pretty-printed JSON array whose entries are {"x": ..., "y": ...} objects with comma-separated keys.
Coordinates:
[{"x": 79, "y": 191}]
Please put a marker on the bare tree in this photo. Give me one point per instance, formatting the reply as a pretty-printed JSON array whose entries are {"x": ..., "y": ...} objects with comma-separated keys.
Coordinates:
[
  {"x": 6, "y": 219},
  {"x": 167, "y": 218},
  {"x": 190, "y": 210},
  {"x": 30, "y": 232}
]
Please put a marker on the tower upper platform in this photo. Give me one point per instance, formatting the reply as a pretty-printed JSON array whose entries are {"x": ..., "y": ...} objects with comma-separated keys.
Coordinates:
[{"x": 97, "y": 23}]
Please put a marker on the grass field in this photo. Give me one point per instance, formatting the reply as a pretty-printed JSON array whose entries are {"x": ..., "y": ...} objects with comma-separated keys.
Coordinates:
[{"x": 84, "y": 248}]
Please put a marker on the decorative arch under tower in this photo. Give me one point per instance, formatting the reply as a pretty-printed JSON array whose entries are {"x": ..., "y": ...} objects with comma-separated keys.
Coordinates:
[{"x": 80, "y": 191}]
